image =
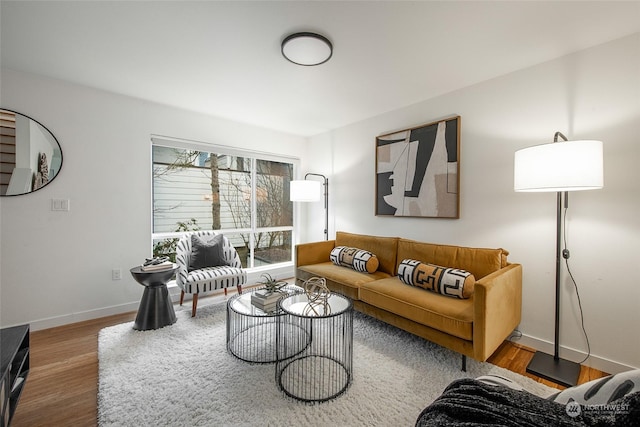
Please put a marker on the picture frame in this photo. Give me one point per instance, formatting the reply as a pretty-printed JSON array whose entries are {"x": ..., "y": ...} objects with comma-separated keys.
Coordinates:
[{"x": 418, "y": 171}]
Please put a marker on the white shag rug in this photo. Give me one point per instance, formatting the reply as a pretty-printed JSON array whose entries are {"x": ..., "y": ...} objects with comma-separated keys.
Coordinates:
[{"x": 182, "y": 375}]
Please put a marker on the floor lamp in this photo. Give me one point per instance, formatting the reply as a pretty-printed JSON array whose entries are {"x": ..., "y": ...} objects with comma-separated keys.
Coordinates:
[
  {"x": 311, "y": 191},
  {"x": 558, "y": 167}
]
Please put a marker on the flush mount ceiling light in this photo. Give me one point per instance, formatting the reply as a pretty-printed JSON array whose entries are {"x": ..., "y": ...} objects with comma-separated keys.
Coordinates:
[{"x": 307, "y": 49}]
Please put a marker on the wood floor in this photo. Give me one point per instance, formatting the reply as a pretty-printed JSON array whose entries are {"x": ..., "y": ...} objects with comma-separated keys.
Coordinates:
[{"x": 62, "y": 386}]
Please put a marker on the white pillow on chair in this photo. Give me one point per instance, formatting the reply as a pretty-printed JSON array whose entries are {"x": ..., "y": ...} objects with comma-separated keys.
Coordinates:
[{"x": 601, "y": 391}]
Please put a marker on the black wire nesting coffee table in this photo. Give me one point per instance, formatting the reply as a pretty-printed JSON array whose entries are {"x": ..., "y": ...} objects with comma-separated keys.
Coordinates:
[
  {"x": 251, "y": 332},
  {"x": 323, "y": 369}
]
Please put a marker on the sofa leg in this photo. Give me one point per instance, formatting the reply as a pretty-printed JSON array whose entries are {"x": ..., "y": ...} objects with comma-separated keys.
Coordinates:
[
  {"x": 181, "y": 297},
  {"x": 464, "y": 363},
  {"x": 239, "y": 289},
  {"x": 194, "y": 305},
  {"x": 225, "y": 292}
]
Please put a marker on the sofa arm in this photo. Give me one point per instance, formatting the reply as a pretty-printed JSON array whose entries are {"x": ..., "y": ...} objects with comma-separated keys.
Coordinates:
[
  {"x": 497, "y": 309},
  {"x": 314, "y": 253}
]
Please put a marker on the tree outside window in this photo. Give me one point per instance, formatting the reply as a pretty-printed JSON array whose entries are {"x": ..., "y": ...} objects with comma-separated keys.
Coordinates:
[{"x": 245, "y": 197}]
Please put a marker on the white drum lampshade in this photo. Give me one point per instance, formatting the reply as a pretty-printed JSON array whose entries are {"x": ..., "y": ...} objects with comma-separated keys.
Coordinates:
[
  {"x": 559, "y": 166},
  {"x": 305, "y": 191}
]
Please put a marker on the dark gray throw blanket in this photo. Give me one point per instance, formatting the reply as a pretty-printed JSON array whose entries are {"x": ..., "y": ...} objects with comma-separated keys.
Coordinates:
[{"x": 468, "y": 402}]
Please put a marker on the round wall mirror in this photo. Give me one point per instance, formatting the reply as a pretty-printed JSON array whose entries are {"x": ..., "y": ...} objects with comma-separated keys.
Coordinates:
[{"x": 30, "y": 156}]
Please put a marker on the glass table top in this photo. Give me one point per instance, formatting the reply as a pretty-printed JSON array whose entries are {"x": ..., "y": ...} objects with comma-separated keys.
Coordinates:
[
  {"x": 299, "y": 304},
  {"x": 242, "y": 303}
]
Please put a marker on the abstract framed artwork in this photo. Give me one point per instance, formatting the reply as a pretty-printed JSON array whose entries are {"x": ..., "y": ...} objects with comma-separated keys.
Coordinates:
[{"x": 418, "y": 171}]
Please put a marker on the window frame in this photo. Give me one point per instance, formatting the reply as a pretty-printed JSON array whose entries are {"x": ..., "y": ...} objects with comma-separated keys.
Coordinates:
[{"x": 253, "y": 229}]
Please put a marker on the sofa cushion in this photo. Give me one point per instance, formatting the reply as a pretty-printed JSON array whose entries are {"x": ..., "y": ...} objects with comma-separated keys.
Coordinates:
[
  {"x": 385, "y": 248},
  {"x": 358, "y": 259},
  {"x": 451, "y": 282},
  {"x": 451, "y": 315},
  {"x": 478, "y": 261},
  {"x": 339, "y": 279}
]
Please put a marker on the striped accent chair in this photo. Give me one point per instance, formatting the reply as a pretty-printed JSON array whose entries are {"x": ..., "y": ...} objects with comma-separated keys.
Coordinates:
[{"x": 209, "y": 278}]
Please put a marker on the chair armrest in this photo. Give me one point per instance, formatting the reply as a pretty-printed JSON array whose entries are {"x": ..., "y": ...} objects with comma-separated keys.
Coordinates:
[
  {"x": 181, "y": 273},
  {"x": 182, "y": 261},
  {"x": 497, "y": 309},
  {"x": 314, "y": 253}
]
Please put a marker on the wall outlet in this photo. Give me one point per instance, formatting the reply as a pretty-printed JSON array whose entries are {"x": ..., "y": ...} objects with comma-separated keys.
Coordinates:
[
  {"x": 60, "y": 205},
  {"x": 116, "y": 274}
]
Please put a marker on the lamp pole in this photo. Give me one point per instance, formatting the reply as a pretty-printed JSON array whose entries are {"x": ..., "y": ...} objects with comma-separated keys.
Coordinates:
[
  {"x": 326, "y": 202},
  {"x": 556, "y": 344}
]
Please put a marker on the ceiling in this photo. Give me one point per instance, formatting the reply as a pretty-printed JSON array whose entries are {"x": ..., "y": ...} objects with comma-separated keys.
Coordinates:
[{"x": 223, "y": 58}]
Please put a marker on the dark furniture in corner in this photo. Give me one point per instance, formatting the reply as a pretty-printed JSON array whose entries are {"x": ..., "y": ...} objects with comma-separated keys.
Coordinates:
[{"x": 14, "y": 353}]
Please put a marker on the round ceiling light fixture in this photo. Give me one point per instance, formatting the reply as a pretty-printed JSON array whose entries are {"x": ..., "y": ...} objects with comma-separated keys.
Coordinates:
[{"x": 307, "y": 49}]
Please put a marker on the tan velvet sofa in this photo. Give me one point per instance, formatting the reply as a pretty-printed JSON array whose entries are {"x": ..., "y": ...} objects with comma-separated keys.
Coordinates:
[{"x": 473, "y": 327}]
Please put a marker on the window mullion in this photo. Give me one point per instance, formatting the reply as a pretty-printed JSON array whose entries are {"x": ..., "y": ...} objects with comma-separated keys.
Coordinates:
[{"x": 254, "y": 208}]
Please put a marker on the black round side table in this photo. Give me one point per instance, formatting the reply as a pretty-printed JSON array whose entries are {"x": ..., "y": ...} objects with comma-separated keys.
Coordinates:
[{"x": 156, "y": 309}]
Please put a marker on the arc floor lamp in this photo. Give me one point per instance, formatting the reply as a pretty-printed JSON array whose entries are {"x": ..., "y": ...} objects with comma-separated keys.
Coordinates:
[
  {"x": 311, "y": 191},
  {"x": 560, "y": 167}
]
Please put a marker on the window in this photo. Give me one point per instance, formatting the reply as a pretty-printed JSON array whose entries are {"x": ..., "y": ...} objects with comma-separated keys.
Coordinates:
[{"x": 244, "y": 195}]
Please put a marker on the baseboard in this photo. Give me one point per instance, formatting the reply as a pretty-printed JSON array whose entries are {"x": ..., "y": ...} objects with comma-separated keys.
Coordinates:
[
  {"x": 253, "y": 276},
  {"x": 52, "y": 322},
  {"x": 82, "y": 316},
  {"x": 594, "y": 361}
]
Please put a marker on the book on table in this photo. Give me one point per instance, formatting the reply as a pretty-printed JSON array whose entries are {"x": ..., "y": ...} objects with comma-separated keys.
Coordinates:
[
  {"x": 265, "y": 295},
  {"x": 264, "y": 300},
  {"x": 269, "y": 307},
  {"x": 167, "y": 265}
]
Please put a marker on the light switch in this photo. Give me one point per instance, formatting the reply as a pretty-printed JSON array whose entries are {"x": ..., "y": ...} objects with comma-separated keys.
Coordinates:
[{"x": 61, "y": 205}]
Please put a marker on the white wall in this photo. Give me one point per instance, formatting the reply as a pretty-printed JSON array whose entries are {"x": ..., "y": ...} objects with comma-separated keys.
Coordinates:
[
  {"x": 594, "y": 94},
  {"x": 56, "y": 266}
]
